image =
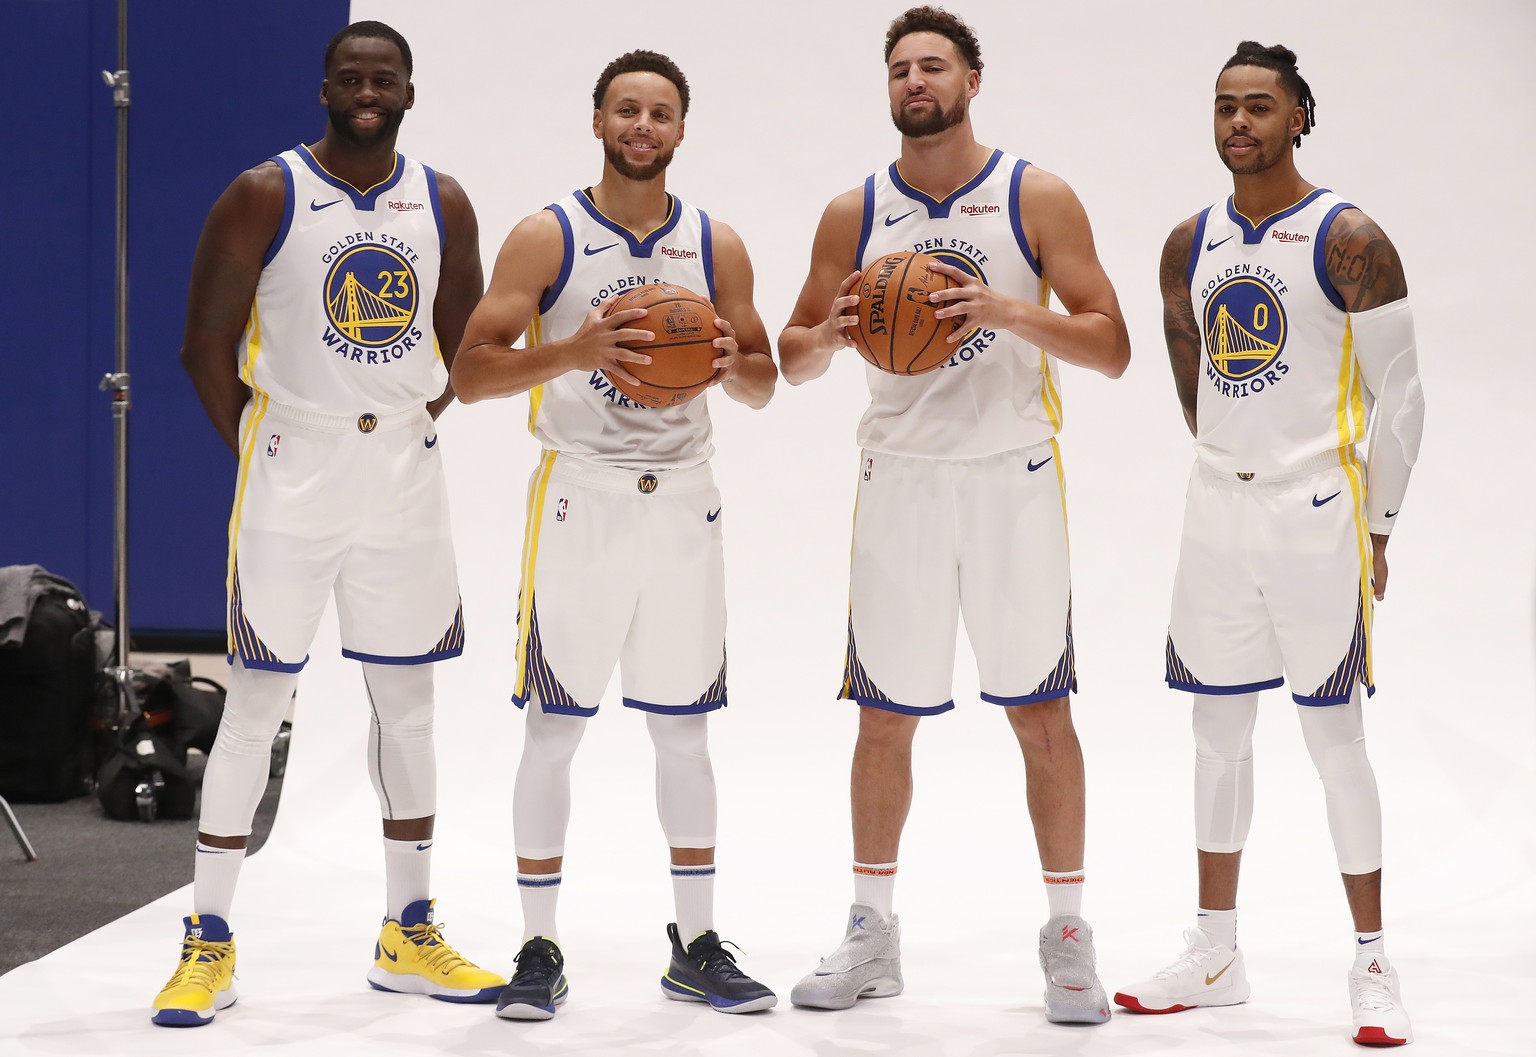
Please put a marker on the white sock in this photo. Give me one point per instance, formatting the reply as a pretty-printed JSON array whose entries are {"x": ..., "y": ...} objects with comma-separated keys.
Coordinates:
[
  {"x": 874, "y": 885},
  {"x": 1370, "y": 943},
  {"x": 407, "y": 873},
  {"x": 1219, "y": 926},
  {"x": 693, "y": 897},
  {"x": 1064, "y": 892},
  {"x": 214, "y": 873},
  {"x": 539, "y": 893}
]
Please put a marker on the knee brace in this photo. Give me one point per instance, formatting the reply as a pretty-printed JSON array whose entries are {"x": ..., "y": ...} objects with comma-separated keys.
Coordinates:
[
  {"x": 541, "y": 796},
  {"x": 1223, "y": 727},
  {"x": 685, "y": 779},
  {"x": 402, "y": 761},
  {"x": 241, "y": 759}
]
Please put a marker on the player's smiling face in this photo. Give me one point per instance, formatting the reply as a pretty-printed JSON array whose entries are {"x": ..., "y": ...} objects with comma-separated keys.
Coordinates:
[
  {"x": 930, "y": 85},
  {"x": 1256, "y": 119},
  {"x": 366, "y": 90},
  {"x": 640, "y": 124}
]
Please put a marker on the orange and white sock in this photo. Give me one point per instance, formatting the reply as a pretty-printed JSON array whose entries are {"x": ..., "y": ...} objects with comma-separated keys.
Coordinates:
[
  {"x": 1064, "y": 892},
  {"x": 874, "y": 885}
]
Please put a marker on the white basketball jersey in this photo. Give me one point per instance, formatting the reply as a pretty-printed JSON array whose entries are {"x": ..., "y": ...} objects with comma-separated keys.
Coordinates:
[
  {"x": 342, "y": 320},
  {"x": 997, "y": 392},
  {"x": 582, "y": 413},
  {"x": 1278, "y": 380}
]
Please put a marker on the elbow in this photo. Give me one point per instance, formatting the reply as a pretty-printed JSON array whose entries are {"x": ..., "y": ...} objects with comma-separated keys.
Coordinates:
[{"x": 1117, "y": 363}]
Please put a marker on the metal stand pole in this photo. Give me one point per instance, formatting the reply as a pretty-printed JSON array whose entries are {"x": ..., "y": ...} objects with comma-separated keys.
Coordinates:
[{"x": 21, "y": 836}]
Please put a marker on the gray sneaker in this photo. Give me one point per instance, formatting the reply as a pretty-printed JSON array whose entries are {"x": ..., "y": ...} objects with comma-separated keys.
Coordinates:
[
  {"x": 866, "y": 965},
  {"x": 1073, "y": 994}
]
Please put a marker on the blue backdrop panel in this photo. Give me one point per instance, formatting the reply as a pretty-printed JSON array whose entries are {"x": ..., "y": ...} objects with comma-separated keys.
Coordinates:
[{"x": 216, "y": 89}]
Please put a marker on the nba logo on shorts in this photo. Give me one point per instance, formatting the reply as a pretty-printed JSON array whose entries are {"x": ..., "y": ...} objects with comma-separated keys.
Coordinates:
[
  {"x": 869, "y": 468},
  {"x": 272, "y": 443},
  {"x": 560, "y": 509}
]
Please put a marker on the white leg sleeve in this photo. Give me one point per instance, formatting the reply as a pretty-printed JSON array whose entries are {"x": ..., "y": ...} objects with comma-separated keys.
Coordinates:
[
  {"x": 241, "y": 759},
  {"x": 1223, "y": 726},
  {"x": 401, "y": 759},
  {"x": 685, "y": 780},
  {"x": 541, "y": 796},
  {"x": 1335, "y": 736}
]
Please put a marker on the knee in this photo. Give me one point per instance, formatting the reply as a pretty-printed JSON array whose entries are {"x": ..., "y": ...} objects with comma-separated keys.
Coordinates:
[
  {"x": 880, "y": 729},
  {"x": 1041, "y": 724},
  {"x": 680, "y": 738}
]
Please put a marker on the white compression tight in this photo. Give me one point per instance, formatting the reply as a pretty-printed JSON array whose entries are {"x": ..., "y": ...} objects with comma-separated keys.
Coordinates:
[
  {"x": 1335, "y": 738},
  {"x": 402, "y": 758},
  {"x": 241, "y": 758},
  {"x": 541, "y": 799}
]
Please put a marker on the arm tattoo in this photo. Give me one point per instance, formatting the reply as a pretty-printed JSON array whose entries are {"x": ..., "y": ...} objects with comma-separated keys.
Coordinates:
[
  {"x": 1362, "y": 264},
  {"x": 1180, "y": 329}
]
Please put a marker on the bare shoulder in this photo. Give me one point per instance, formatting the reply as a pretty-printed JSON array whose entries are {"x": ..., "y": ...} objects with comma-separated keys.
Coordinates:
[
  {"x": 450, "y": 192},
  {"x": 1042, "y": 192},
  {"x": 540, "y": 231},
  {"x": 1362, "y": 264},
  {"x": 260, "y": 185},
  {"x": 726, "y": 238},
  {"x": 846, "y": 210}
]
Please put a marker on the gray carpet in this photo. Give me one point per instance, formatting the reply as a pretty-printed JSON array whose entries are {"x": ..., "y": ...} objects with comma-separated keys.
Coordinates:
[{"x": 92, "y": 870}]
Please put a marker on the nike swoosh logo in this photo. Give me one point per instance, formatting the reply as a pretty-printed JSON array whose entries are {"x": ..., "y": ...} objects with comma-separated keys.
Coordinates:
[
  {"x": 889, "y": 220},
  {"x": 1373, "y": 939},
  {"x": 317, "y": 206},
  {"x": 431, "y": 441},
  {"x": 1033, "y": 466},
  {"x": 711, "y": 517},
  {"x": 1320, "y": 502},
  {"x": 392, "y": 956},
  {"x": 589, "y": 251},
  {"x": 210, "y": 851},
  {"x": 1213, "y": 245},
  {"x": 1209, "y": 980},
  {"x": 424, "y": 847},
  {"x": 1391, "y": 513}
]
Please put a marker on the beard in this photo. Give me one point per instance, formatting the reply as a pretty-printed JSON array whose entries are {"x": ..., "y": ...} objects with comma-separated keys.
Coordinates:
[
  {"x": 1257, "y": 162},
  {"x": 917, "y": 126},
  {"x": 343, "y": 128},
  {"x": 614, "y": 153}
]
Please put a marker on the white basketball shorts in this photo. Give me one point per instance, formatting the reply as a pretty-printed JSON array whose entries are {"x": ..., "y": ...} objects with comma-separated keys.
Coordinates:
[
  {"x": 1274, "y": 583},
  {"x": 934, "y": 539},
  {"x": 355, "y": 505},
  {"x": 626, "y": 567}
]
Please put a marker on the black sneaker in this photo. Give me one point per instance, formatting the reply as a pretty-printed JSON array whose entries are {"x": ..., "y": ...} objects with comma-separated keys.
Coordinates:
[
  {"x": 539, "y": 984},
  {"x": 706, "y": 972}
]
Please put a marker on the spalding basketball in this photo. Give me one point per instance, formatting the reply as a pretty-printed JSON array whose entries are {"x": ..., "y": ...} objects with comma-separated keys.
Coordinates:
[
  {"x": 897, "y": 330},
  {"x": 683, "y": 354}
]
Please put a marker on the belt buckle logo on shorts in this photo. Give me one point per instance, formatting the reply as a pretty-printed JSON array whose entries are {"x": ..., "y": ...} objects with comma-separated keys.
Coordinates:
[
  {"x": 367, "y": 422},
  {"x": 647, "y": 483},
  {"x": 1245, "y": 477}
]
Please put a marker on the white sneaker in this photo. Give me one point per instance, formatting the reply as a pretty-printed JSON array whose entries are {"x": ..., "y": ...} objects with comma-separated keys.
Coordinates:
[
  {"x": 1377, "y": 1000},
  {"x": 867, "y": 964},
  {"x": 1073, "y": 994},
  {"x": 1206, "y": 974}
]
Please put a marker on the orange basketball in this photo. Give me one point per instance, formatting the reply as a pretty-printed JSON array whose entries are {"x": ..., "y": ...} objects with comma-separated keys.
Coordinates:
[
  {"x": 683, "y": 354},
  {"x": 897, "y": 330}
]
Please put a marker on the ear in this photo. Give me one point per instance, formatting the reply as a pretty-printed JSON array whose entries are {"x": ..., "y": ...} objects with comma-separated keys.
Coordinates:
[
  {"x": 410, "y": 94},
  {"x": 681, "y": 127},
  {"x": 972, "y": 84},
  {"x": 597, "y": 124},
  {"x": 1298, "y": 121},
  {"x": 324, "y": 87}
]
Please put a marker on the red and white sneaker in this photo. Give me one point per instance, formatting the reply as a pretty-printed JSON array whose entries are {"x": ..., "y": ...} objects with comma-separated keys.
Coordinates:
[
  {"x": 1377, "y": 1000},
  {"x": 1206, "y": 974}
]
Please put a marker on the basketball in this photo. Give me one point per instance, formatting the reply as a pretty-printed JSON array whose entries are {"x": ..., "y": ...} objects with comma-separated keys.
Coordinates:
[
  {"x": 683, "y": 354},
  {"x": 897, "y": 330}
]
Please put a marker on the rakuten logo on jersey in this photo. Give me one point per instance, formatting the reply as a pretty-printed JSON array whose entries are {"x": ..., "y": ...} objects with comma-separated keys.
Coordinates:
[
  {"x": 980, "y": 211},
  {"x": 406, "y": 207},
  {"x": 1289, "y": 236},
  {"x": 677, "y": 254}
]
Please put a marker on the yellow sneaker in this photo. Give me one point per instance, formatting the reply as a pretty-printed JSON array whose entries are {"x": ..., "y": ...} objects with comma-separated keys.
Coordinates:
[
  {"x": 411, "y": 957},
  {"x": 204, "y": 982}
]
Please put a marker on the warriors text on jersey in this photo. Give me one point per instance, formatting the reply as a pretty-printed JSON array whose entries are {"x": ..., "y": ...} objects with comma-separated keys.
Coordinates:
[
  {"x": 581, "y": 413},
  {"x": 1278, "y": 383},
  {"x": 997, "y": 392},
  {"x": 342, "y": 319}
]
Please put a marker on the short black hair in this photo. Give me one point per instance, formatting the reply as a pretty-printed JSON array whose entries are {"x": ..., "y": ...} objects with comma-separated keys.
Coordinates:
[
  {"x": 929, "y": 19},
  {"x": 371, "y": 31},
  {"x": 1282, "y": 61},
  {"x": 641, "y": 61}
]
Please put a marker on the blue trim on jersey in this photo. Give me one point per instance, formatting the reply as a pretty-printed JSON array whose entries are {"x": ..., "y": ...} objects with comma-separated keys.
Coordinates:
[
  {"x": 420, "y": 658},
  {"x": 568, "y": 252},
  {"x": 640, "y": 248},
  {"x": 905, "y": 710},
  {"x": 437, "y": 207},
  {"x": 868, "y": 223},
  {"x": 1194, "y": 250},
  {"x": 939, "y": 210},
  {"x": 1026, "y": 699},
  {"x": 1252, "y": 236},
  {"x": 1016, "y": 221},
  {"x": 703, "y": 705},
  {"x": 707, "y": 252},
  {"x": 1319, "y": 255},
  {"x": 557, "y": 710},
  {"x": 1223, "y": 691},
  {"x": 287, "y": 222},
  {"x": 360, "y": 200}
]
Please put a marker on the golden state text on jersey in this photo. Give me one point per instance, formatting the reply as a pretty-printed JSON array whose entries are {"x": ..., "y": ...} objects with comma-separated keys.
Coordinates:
[{"x": 342, "y": 319}]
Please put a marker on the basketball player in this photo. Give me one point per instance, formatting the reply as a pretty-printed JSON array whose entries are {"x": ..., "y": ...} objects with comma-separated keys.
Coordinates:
[
  {"x": 329, "y": 285},
  {"x": 617, "y": 477},
  {"x": 961, "y": 488},
  {"x": 1287, "y": 319}
]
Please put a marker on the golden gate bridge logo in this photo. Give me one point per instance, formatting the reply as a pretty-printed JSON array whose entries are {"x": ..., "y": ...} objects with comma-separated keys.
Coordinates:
[
  {"x": 1244, "y": 328},
  {"x": 370, "y": 295}
]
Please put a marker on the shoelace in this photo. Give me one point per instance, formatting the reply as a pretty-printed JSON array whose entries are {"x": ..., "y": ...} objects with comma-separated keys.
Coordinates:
[
  {"x": 200, "y": 961},
  {"x": 1191, "y": 957},
  {"x": 1374, "y": 993},
  {"x": 714, "y": 958},
  {"x": 438, "y": 955},
  {"x": 538, "y": 962}
]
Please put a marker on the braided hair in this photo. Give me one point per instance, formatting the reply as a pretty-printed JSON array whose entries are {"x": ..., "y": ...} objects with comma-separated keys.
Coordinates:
[{"x": 1282, "y": 61}]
